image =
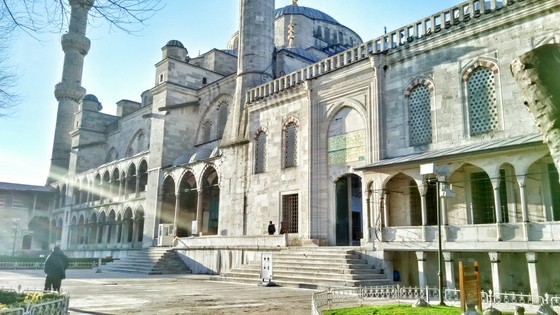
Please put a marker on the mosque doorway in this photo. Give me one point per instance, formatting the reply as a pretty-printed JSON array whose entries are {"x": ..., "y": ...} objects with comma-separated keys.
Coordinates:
[
  {"x": 348, "y": 210},
  {"x": 210, "y": 202}
]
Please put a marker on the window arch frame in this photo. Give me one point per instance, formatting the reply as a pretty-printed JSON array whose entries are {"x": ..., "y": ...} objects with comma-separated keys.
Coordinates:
[
  {"x": 260, "y": 143},
  {"x": 467, "y": 74},
  {"x": 290, "y": 144},
  {"x": 409, "y": 91}
]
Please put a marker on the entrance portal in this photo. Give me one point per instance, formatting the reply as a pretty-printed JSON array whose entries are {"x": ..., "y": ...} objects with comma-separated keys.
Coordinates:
[{"x": 348, "y": 210}]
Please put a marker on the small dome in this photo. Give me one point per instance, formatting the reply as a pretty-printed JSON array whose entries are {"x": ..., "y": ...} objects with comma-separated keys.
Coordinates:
[
  {"x": 91, "y": 97},
  {"x": 182, "y": 159},
  {"x": 175, "y": 42}
]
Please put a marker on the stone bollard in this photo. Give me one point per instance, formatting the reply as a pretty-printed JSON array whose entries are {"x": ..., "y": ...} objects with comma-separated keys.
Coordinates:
[
  {"x": 519, "y": 310},
  {"x": 420, "y": 303},
  {"x": 491, "y": 311},
  {"x": 545, "y": 309}
]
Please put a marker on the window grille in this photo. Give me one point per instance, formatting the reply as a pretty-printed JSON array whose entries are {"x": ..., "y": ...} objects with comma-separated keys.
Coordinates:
[
  {"x": 503, "y": 197},
  {"x": 260, "y": 150},
  {"x": 290, "y": 145},
  {"x": 482, "y": 199},
  {"x": 554, "y": 191},
  {"x": 206, "y": 131},
  {"x": 483, "y": 109},
  {"x": 290, "y": 212},
  {"x": 420, "y": 116}
]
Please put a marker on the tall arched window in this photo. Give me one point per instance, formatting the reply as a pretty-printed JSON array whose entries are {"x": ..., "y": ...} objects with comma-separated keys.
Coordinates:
[
  {"x": 420, "y": 118},
  {"x": 222, "y": 117},
  {"x": 260, "y": 152},
  {"x": 483, "y": 108},
  {"x": 290, "y": 144}
]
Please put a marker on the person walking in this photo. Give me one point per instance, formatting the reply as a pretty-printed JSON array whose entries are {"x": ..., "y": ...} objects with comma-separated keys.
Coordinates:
[
  {"x": 55, "y": 269},
  {"x": 271, "y": 228}
]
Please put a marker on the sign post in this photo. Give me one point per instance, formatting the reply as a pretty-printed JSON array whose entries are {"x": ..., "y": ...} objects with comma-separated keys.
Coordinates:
[
  {"x": 266, "y": 270},
  {"x": 469, "y": 283}
]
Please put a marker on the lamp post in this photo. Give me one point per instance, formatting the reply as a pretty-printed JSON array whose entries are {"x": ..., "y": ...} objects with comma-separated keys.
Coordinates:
[
  {"x": 15, "y": 223},
  {"x": 429, "y": 169}
]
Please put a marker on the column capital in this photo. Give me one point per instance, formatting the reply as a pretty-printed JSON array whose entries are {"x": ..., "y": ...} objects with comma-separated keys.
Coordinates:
[
  {"x": 447, "y": 256},
  {"x": 494, "y": 257},
  {"x": 421, "y": 256},
  {"x": 531, "y": 257}
]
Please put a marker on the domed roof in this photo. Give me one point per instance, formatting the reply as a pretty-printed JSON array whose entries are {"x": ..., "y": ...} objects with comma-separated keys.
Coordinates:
[
  {"x": 91, "y": 97},
  {"x": 308, "y": 12},
  {"x": 175, "y": 42}
]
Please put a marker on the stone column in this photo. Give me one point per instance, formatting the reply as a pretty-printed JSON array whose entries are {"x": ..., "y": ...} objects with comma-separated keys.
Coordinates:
[
  {"x": 524, "y": 211},
  {"x": 423, "y": 189},
  {"x": 422, "y": 277},
  {"x": 199, "y": 212},
  {"x": 532, "y": 267},
  {"x": 494, "y": 265},
  {"x": 176, "y": 214},
  {"x": 449, "y": 270}
]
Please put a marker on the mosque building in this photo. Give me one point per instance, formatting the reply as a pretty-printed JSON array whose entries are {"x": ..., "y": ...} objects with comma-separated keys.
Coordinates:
[{"x": 342, "y": 142}]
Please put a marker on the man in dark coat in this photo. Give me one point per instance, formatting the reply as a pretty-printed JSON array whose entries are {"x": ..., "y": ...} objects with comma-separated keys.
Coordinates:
[{"x": 55, "y": 268}]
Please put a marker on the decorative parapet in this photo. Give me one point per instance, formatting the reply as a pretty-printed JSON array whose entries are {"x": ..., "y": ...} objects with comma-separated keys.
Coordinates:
[{"x": 419, "y": 30}]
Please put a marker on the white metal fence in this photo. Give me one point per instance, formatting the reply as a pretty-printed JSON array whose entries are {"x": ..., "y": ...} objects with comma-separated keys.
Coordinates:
[
  {"x": 349, "y": 297},
  {"x": 57, "y": 306}
]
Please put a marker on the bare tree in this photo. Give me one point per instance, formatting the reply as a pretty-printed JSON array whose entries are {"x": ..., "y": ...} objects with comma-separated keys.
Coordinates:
[
  {"x": 33, "y": 16},
  {"x": 39, "y": 16}
]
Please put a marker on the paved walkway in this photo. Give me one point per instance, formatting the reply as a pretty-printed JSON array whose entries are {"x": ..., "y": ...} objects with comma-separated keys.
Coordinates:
[{"x": 124, "y": 293}]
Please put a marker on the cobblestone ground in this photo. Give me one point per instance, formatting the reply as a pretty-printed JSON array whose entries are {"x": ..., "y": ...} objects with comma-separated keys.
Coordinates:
[{"x": 122, "y": 293}]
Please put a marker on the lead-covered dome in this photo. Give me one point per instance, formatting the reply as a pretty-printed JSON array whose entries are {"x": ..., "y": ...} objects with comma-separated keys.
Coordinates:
[{"x": 308, "y": 12}]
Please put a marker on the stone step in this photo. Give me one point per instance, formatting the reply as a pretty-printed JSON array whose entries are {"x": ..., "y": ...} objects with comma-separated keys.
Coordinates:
[
  {"x": 313, "y": 268},
  {"x": 149, "y": 261}
]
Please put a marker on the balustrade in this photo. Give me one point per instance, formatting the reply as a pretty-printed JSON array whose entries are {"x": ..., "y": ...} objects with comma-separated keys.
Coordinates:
[{"x": 420, "y": 29}]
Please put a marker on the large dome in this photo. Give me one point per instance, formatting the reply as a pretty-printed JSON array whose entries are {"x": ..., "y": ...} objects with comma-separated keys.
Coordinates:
[{"x": 308, "y": 12}]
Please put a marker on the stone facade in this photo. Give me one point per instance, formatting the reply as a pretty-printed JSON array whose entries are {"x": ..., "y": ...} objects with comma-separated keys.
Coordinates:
[{"x": 328, "y": 138}]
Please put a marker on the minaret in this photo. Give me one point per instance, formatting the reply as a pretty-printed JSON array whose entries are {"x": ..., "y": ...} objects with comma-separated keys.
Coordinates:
[
  {"x": 254, "y": 60},
  {"x": 69, "y": 91}
]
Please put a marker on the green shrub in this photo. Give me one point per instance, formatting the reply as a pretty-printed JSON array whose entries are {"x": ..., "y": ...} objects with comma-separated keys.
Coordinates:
[{"x": 12, "y": 299}]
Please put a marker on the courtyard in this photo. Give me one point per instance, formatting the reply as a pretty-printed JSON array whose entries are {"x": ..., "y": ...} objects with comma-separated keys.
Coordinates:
[{"x": 123, "y": 293}]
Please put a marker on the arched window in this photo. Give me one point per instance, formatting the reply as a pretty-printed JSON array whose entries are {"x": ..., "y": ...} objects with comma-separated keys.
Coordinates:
[
  {"x": 260, "y": 152},
  {"x": 482, "y": 104},
  {"x": 290, "y": 144},
  {"x": 206, "y": 131},
  {"x": 222, "y": 117},
  {"x": 420, "y": 118}
]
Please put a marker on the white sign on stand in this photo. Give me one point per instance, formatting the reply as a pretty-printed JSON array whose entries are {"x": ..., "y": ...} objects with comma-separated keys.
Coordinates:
[{"x": 266, "y": 269}]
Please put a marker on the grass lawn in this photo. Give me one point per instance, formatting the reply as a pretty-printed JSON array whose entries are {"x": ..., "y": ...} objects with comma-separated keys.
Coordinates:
[{"x": 398, "y": 310}]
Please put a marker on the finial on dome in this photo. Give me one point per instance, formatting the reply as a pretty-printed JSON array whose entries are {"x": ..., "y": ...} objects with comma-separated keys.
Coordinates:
[
  {"x": 294, "y": 2},
  {"x": 291, "y": 32}
]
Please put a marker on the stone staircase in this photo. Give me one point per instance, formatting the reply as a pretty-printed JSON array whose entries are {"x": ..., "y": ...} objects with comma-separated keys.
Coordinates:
[
  {"x": 313, "y": 268},
  {"x": 153, "y": 260}
]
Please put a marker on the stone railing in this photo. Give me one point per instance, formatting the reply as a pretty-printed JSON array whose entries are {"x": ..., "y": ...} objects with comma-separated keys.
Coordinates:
[
  {"x": 507, "y": 232},
  {"x": 12, "y": 265},
  {"x": 419, "y": 30},
  {"x": 350, "y": 297}
]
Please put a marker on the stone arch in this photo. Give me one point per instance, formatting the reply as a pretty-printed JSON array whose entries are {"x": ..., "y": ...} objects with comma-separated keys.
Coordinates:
[
  {"x": 210, "y": 194},
  {"x": 130, "y": 185},
  {"x": 142, "y": 175},
  {"x": 138, "y": 143},
  {"x": 403, "y": 201},
  {"x": 168, "y": 199},
  {"x": 188, "y": 200},
  {"x": 346, "y": 136},
  {"x": 39, "y": 226},
  {"x": 112, "y": 155},
  {"x": 127, "y": 225},
  {"x": 139, "y": 220}
]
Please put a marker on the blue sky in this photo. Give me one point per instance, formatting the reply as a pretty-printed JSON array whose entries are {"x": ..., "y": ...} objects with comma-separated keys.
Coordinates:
[{"x": 121, "y": 65}]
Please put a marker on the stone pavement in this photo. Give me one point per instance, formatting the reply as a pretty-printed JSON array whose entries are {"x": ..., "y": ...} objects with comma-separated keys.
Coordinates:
[{"x": 125, "y": 293}]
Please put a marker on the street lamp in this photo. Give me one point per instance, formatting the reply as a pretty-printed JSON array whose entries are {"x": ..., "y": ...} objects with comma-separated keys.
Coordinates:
[
  {"x": 15, "y": 224},
  {"x": 440, "y": 172}
]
